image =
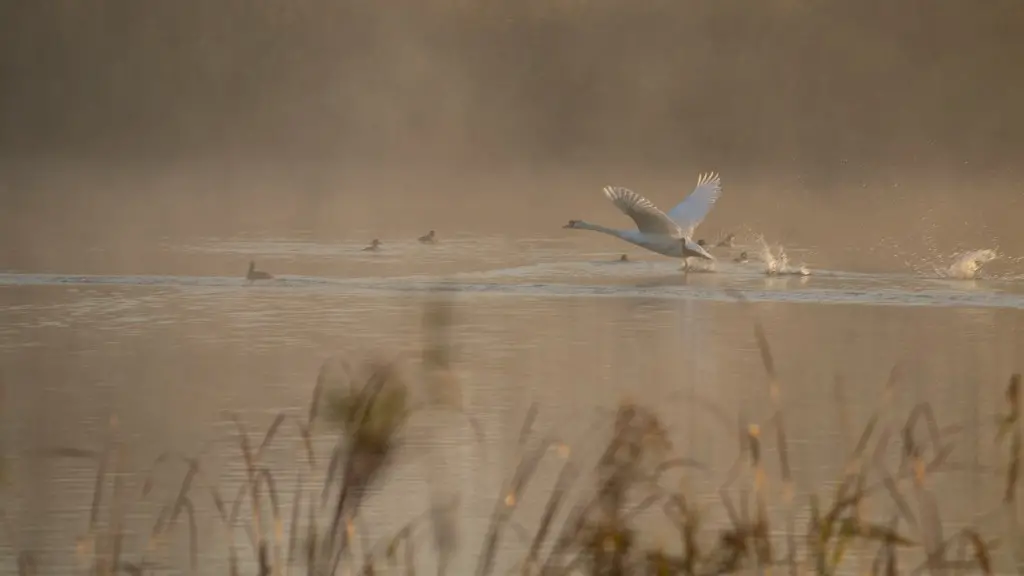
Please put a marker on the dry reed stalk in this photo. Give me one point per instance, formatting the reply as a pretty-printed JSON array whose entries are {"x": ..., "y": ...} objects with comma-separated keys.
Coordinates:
[
  {"x": 250, "y": 471},
  {"x": 117, "y": 504},
  {"x": 507, "y": 501},
  {"x": 293, "y": 530},
  {"x": 253, "y": 476},
  {"x": 788, "y": 487},
  {"x": 264, "y": 474}
]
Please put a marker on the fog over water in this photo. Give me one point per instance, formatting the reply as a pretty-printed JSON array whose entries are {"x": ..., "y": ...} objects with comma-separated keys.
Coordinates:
[{"x": 891, "y": 120}]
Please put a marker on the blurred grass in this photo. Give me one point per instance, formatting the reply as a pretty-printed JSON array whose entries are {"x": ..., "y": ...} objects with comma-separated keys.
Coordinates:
[{"x": 594, "y": 517}]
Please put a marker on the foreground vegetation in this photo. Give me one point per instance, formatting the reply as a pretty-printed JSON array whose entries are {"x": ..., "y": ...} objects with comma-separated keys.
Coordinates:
[{"x": 593, "y": 516}]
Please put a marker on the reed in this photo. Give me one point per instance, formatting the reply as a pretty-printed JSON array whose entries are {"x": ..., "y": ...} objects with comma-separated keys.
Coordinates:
[{"x": 606, "y": 493}]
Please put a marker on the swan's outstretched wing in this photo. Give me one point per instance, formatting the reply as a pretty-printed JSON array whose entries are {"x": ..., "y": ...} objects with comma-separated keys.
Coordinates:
[
  {"x": 648, "y": 218},
  {"x": 689, "y": 213}
]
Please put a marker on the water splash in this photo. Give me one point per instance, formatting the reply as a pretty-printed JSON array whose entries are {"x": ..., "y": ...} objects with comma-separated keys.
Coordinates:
[
  {"x": 699, "y": 265},
  {"x": 967, "y": 265},
  {"x": 777, "y": 264}
]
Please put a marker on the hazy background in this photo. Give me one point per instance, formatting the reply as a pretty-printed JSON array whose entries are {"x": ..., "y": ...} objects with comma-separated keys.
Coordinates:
[{"x": 834, "y": 123}]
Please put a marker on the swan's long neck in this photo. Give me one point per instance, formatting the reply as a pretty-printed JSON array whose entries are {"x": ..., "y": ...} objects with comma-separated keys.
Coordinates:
[{"x": 598, "y": 228}]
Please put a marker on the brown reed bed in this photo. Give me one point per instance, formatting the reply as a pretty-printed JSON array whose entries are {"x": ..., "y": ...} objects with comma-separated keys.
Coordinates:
[{"x": 592, "y": 517}]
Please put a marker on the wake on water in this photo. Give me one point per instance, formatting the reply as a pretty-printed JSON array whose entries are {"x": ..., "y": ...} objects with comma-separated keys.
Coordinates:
[{"x": 775, "y": 263}]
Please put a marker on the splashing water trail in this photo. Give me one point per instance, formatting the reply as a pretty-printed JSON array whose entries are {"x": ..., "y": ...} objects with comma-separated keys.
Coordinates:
[
  {"x": 778, "y": 264},
  {"x": 699, "y": 265},
  {"x": 967, "y": 265}
]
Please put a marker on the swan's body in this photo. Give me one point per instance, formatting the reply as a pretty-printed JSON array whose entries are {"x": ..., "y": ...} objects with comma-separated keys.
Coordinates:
[
  {"x": 668, "y": 234},
  {"x": 254, "y": 274},
  {"x": 428, "y": 238},
  {"x": 373, "y": 246}
]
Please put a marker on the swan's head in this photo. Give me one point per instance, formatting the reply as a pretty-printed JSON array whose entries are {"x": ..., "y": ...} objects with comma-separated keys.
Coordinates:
[{"x": 572, "y": 224}]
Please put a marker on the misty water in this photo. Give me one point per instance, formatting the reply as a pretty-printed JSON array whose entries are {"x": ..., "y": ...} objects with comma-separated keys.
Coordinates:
[{"x": 557, "y": 320}]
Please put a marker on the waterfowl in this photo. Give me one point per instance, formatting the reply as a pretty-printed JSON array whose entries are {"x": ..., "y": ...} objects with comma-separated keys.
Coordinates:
[
  {"x": 373, "y": 246},
  {"x": 666, "y": 234},
  {"x": 428, "y": 238},
  {"x": 254, "y": 274}
]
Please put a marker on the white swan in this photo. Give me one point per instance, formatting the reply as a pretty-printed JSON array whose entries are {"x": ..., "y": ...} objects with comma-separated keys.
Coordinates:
[{"x": 667, "y": 234}]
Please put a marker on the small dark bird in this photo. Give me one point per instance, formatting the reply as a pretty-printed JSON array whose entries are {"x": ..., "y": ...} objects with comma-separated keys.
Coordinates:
[
  {"x": 726, "y": 242},
  {"x": 623, "y": 258},
  {"x": 741, "y": 258},
  {"x": 428, "y": 238},
  {"x": 701, "y": 243},
  {"x": 373, "y": 246},
  {"x": 254, "y": 274}
]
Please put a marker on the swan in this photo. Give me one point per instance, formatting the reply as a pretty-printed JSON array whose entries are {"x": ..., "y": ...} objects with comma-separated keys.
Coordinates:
[
  {"x": 254, "y": 274},
  {"x": 428, "y": 238},
  {"x": 373, "y": 246},
  {"x": 742, "y": 258},
  {"x": 666, "y": 234}
]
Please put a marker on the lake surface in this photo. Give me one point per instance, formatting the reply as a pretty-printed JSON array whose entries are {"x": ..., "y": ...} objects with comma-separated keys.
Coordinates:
[{"x": 171, "y": 345}]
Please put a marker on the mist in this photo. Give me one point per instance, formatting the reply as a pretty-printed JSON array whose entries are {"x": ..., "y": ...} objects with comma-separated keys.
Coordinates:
[{"x": 123, "y": 121}]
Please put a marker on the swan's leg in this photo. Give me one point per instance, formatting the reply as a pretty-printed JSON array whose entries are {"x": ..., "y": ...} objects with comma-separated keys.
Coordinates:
[{"x": 686, "y": 264}]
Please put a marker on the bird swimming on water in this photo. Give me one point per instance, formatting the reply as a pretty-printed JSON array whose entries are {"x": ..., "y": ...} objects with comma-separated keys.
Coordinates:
[
  {"x": 742, "y": 258},
  {"x": 254, "y": 274},
  {"x": 726, "y": 242},
  {"x": 668, "y": 234},
  {"x": 373, "y": 246},
  {"x": 428, "y": 238},
  {"x": 623, "y": 258}
]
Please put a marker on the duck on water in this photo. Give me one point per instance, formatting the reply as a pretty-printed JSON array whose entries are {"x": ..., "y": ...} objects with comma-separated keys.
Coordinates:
[{"x": 253, "y": 274}]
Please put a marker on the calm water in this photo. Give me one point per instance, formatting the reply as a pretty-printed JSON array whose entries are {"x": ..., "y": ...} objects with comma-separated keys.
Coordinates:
[{"x": 169, "y": 348}]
